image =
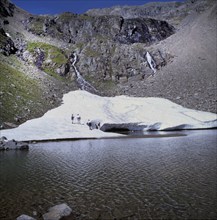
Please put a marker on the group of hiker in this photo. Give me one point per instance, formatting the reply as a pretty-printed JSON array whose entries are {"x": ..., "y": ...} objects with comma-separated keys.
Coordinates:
[
  {"x": 93, "y": 124},
  {"x": 76, "y": 119}
]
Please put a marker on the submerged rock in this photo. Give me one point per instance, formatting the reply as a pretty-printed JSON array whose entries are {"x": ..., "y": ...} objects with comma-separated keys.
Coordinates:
[
  {"x": 25, "y": 217},
  {"x": 57, "y": 212}
]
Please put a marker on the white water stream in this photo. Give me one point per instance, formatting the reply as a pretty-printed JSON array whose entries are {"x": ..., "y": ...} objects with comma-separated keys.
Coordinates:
[{"x": 81, "y": 81}]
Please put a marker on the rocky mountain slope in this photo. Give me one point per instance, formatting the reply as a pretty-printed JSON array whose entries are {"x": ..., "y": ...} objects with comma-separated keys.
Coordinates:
[
  {"x": 173, "y": 12},
  {"x": 42, "y": 57}
]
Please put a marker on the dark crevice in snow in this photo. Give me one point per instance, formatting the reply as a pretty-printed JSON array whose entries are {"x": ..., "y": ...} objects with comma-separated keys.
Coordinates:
[{"x": 117, "y": 128}]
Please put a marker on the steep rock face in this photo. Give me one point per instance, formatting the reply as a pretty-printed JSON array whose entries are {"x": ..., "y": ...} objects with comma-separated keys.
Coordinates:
[
  {"x": 107, "y": 64},
  {"x": 82, "y": 28},
  {"x": 7, "y": 46},
  {"x": 6, "y": 8},
  {"x": 110, "y": 49},
  {"x": 143, "y": 31},
  {"x": 190, "y": 79}
]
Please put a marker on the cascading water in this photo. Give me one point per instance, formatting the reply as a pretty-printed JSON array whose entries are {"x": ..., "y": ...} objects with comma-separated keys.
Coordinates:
[
  {"x": 83, "y": 84},
  {"x": 151, "y": 62}
]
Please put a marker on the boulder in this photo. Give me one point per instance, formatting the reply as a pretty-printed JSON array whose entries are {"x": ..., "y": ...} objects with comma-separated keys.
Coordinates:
[
  {"x": 25, "y": 217},
  {"x": 12, "y": 144},
  {"x": 57, "y": 212},
  {"x": 7, "y": 125},
  {"x": 2, "y": 139},
  {"x": 94, "y": 124}
]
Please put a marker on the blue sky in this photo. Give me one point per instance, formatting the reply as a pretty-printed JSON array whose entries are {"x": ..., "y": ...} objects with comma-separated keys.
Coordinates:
[{"x": 75, "y": 6}]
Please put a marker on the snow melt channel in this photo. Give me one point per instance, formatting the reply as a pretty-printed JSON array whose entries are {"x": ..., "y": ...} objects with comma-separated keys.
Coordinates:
[{"x": 120, "y": 112}]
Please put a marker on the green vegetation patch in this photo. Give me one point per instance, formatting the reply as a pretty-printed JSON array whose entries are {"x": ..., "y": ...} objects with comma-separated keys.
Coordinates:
[
  {"x": 55, "y": 55},
  {"x": 51, "y": 72},
  {"x": 19, "y": 95}
]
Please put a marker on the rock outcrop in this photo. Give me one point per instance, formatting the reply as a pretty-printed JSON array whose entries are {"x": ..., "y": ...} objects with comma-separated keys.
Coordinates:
[
  {"x": 74, "y": 28},
  {"x": 6, "y": 9},
  {"x": 12, "y": 144},
  {"x": 57, "y": 212},
  {"x": 7, "y": 46}
]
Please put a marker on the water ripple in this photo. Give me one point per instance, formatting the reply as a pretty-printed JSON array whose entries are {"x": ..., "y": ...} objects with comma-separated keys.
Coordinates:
[{"x": 168, "y": 178}]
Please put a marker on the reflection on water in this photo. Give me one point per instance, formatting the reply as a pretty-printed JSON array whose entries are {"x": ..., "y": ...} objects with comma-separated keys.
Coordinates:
[{"x": 133, "y": 178}]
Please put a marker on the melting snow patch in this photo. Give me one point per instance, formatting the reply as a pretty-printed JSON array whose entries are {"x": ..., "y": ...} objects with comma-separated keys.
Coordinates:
[
  {"x": 113, "y": 113},
  {"x": 8, "y": 35}
]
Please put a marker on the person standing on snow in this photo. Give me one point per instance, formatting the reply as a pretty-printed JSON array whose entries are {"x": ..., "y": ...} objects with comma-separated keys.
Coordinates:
[
  {"x": 78, "y": 119},
  {"x": 72, "y": 118},
  {"x": 89, "y": 124}
]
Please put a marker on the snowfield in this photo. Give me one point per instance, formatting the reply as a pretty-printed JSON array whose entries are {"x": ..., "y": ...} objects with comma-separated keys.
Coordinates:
[{"x": 120, "y": 112}]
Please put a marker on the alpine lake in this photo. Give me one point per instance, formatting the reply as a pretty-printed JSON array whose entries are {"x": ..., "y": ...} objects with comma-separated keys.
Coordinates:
[{"x": 142, "y": 176}]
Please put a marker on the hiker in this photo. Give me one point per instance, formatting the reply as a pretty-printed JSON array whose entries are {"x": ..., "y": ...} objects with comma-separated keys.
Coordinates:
[
  {"x": 72, "y": 118},
  {"x": 89, "y": 124},
  {"x": 98, "y": 125},
  {"x": 78, "y": 119}
]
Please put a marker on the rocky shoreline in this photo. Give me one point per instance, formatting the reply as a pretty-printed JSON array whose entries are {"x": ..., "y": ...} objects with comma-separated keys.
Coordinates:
[
  {"x": 6, "y": 144},
  {"x": 57, "y": 212}
]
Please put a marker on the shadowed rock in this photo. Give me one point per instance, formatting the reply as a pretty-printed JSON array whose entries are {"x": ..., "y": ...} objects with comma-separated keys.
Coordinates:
[
  {"x": 7, "y": 46},
  {"x": 12, "y": 144}
]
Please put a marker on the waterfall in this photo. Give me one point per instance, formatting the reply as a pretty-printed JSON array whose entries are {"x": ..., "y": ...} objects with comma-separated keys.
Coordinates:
[
  {"x": 151, "y": 62},
  {"x": 83, "y": 84}
]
